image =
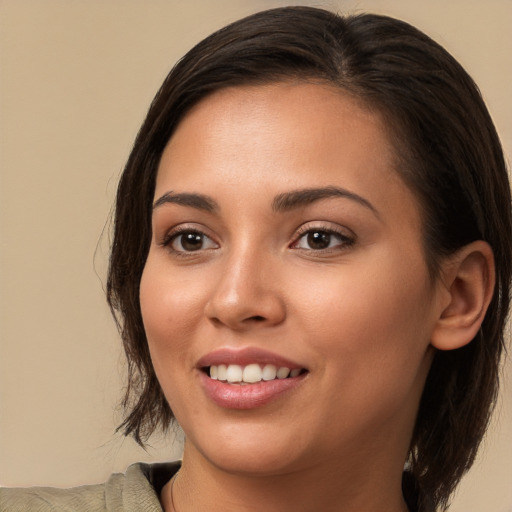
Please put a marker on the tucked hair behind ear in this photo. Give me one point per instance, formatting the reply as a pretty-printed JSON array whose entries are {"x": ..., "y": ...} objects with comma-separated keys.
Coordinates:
[{"x": 449, "y": 154}]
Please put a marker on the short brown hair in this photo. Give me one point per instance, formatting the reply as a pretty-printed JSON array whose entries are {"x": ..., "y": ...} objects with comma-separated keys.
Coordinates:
[{"x": 450, "y": 157}]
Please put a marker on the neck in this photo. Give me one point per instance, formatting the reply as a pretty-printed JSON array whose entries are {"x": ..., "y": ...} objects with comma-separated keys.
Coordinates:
[{"x": 200, "y": 485}]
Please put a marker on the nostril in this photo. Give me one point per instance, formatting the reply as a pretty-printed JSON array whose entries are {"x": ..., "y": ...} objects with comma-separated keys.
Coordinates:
[{"x": 257, "y": 318}]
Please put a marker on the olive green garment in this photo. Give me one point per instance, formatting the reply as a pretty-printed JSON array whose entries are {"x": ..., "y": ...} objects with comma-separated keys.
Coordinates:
[{"x": 137, "y": 490}]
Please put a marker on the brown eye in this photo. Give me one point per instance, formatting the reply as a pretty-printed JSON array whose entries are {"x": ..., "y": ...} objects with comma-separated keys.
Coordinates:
[
  {"x": 322, "y": 239},
  {"x": 190, "y": 241},
  {"x": 318, "y": 239}
]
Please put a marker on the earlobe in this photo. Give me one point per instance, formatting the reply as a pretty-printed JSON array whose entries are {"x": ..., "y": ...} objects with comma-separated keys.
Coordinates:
[{"x": 469, "y": 277}]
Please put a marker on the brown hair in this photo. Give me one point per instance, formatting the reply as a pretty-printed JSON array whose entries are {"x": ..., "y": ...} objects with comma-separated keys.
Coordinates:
[{"x": 450, "y": 156}]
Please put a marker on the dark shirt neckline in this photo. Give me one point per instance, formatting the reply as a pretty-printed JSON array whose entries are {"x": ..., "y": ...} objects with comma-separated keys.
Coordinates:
[{"x": 158, "y": 474}]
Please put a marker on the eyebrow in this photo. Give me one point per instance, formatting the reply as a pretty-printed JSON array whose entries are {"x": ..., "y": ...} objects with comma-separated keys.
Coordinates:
[
  {"x": 298, "y": 198},
  {"x": 282, "y": 202},
  {"x": 198, "y": 201}
]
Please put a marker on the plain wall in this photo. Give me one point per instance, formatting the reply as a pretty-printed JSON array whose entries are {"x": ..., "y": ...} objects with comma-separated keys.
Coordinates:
[{"x": 76, "y": 80}]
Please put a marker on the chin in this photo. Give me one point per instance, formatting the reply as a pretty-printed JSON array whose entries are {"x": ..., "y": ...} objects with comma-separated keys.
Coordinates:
[
  {"x": 256, "y": 450},
  {"x": 251, "y": 463}
]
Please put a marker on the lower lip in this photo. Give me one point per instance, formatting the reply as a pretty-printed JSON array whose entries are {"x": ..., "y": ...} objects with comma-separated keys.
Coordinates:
[{"x": 249, "y": 396}]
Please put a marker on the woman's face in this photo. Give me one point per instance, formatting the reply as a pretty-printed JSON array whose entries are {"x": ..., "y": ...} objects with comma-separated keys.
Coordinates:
[{"x": 283, "y": 237}]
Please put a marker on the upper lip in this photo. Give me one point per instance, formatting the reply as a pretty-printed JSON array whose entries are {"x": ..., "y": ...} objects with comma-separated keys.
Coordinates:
[{"x": 245, "y": 356}]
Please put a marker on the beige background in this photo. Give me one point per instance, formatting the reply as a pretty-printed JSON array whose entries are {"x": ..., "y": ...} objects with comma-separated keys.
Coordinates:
[{"x": 76, "y": 80}]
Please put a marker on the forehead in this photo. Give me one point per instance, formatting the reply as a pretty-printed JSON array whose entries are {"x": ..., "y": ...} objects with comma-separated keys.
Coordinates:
[
  {"x": 278, "y": 135},
  {"x": 303, "y": 109}
]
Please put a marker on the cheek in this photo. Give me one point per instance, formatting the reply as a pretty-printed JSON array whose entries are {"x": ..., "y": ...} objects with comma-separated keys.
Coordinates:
[
  {"x": 170, "y": 306},
  {"x": 373, "y": 345},
  {"x": 373, "y": 318}
]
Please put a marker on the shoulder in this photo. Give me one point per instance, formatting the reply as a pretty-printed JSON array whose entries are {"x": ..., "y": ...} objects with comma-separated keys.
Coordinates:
[
  {"x": 136, "y": 490},
  {"x": 46, "y": 499}
]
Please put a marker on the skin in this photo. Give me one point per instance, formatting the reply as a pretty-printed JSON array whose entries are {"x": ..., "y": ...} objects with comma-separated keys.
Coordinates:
[{"x": 358, "y": 315}]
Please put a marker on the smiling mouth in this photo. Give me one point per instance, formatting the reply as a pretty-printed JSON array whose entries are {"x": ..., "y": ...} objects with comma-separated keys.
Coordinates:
[{"x": 251, "y": 373}]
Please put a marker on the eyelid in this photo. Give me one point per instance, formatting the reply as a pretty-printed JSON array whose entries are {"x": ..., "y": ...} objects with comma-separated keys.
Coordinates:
[
  {"x": 346, "y": 234},
  {"x": 171, "y": 234}
]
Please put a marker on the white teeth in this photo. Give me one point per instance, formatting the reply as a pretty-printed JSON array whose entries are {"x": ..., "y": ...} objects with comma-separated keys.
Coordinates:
[
  {"x": 283, "y": 372},
  {"x": 221, "y": 371},
  {"x": 251, "y": 373},
  {"x": 234, "y": 373},
  {"x": 269, "y": 372}
]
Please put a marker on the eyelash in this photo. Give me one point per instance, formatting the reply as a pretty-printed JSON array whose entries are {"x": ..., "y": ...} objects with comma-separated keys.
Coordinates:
[
  {"x": 344, "y": 240},
  {"x": 175, "y": 233}
]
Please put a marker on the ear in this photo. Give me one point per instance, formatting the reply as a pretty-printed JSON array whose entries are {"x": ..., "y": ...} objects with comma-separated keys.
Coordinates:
[{"x": 468, "y": 278}]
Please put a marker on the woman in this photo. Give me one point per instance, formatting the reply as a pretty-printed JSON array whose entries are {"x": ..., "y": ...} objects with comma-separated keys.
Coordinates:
[{"x": 311, "y": 270}]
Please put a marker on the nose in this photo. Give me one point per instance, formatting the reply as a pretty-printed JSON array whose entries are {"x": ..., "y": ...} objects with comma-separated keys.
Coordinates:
[{"x": 247, "y": 294}]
